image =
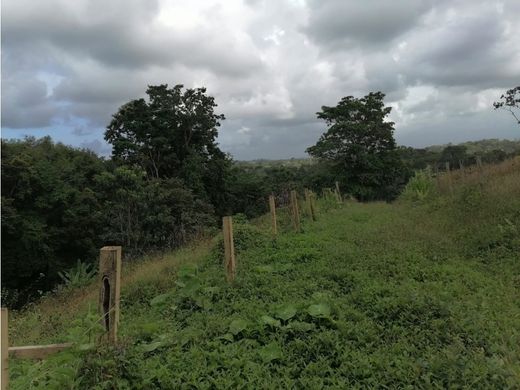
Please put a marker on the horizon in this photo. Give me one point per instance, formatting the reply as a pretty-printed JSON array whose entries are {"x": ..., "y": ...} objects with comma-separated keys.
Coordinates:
[{"x": 306, "y": 156}]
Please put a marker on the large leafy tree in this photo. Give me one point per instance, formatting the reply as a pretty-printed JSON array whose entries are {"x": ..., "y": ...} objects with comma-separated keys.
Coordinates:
[
  {"x": 167, "y": 132},
  {"x": 360, "y": 146}
]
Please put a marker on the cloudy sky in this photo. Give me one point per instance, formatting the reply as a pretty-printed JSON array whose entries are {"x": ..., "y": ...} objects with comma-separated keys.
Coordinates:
[{"x": 67, "y": 66}]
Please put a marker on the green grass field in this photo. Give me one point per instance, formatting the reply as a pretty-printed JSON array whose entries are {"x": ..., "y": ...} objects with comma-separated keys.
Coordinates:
[{"x": 421, "y": 293}]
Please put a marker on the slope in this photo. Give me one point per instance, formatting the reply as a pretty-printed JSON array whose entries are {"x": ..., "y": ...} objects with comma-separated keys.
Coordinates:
[{"x": 421, "y": 293}]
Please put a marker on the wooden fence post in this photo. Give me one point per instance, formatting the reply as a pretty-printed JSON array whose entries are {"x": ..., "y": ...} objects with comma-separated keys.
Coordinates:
[
  {"x": 310, "y": 206},
  {"x": 272, "y": 208},
  {"x": 110, "y": 289},
  {"x": 5, "y": 349},
  {"x": 448, "y": 176},
  {"x": 338, "y": 193},
  {"x": 295, "y": 212},
  {"x": 313, "y": 205},
  {"x": 229, "y": 248}
]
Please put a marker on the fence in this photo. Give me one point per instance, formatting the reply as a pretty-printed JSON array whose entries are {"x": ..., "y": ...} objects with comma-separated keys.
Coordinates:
[{"x": 109, "y": 281}]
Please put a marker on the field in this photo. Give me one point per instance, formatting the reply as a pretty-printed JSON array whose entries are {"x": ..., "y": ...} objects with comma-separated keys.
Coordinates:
[{"x": 421, "y": 293}]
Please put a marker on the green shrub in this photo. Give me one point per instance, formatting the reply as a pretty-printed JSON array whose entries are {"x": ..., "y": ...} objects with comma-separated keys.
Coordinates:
[
  {"x": 419, "y": 187},
  {"x": 78, "y": 276}
]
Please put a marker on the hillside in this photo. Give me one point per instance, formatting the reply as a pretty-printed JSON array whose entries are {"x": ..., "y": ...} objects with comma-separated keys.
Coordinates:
[
  {"x": 483, "y": 146},
  {"x": 422, "y": 292}
]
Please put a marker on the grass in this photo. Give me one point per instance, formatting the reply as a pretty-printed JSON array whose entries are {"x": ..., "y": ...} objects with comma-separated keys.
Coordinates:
[{"x": 421, "y": 293}]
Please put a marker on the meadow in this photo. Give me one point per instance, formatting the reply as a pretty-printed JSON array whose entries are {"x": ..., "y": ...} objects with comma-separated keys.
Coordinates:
[{"x": 419, "y": 293}]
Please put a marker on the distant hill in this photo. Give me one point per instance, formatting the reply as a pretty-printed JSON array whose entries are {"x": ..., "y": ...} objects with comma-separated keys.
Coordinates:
[
  {"x": 291, "y": 162},
  {"x": 472, "y": 148},
  {"x": 482, "y": 146}
]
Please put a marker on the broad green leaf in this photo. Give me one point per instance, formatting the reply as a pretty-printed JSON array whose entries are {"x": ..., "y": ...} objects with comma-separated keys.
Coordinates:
[
  {"x": 190, "y": 288},
  {"x": 268, "y": 320},
  {"x": 286, "y": 312},
  {"x": 270, "y": 352},
  {"x": 86, "y": 347},
  {"x": 319, "y": 296},
  {"x": 321, "y": 310},
  {"x": 152, "y": 346},
  {"x": 265, "y": 268},
  {"x": 298, "y": 326},
  {"x": 237, "y": 326},
  {"x": 228, "y": 337},
  {"x": 204, "y": 303},
  {"x": 160, "y": 299}
]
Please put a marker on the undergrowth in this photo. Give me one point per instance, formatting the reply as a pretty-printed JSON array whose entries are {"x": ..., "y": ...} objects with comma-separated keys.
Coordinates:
[{"x": 422, "y": 293}]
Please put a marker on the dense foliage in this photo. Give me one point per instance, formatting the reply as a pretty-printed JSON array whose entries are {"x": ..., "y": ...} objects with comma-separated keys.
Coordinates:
[
  {"x": 51, "y": 214},
  {"x": 60, "y": 205},
  {"x": 360, "y": 147}
]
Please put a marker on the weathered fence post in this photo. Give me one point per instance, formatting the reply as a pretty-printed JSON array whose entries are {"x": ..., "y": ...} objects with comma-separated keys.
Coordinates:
[
  {"x": 229, "y": 248},
  {"x": 313, "y": 205},
  {"x": 272, "y": 208},
  {"x": 5, "y": 349},
  {"x": 310, "y": 206},
  {"x": 338, "y": 193},
  {"x": 448, "y": 176},
  {"x": 295, "y": 212},
  {"x": 110, "y": 290},
  {"x": 479, "y": 163}
]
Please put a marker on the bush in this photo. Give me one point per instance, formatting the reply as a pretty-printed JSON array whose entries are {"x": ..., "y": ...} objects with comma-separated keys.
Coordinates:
[
  {"x": 78, "y": 276},
  {"x": 420, "y": 187}
]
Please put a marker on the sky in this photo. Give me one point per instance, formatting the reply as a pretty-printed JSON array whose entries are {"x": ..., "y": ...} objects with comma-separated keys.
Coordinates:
[{"x": 67, "y": 66}]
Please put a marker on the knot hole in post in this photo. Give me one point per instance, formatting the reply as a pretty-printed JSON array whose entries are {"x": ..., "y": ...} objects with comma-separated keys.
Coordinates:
[{"x": 106, "y": 301}]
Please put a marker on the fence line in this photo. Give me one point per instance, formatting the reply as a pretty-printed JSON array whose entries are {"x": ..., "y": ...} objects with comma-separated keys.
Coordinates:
[{"x": 110, "y": 286}]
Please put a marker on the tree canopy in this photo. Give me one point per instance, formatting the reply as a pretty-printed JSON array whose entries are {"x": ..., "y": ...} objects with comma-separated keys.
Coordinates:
[
  {"x": 359, "y": 143},
  {"x": 162, "y": 134}
]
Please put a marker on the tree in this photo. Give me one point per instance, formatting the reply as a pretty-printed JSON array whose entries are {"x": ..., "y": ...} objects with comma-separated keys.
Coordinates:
[
  {"x": 510, "y": 101},
  {"x": 453, "y": 154},
  {"x": 162, "y": 134},
  {"x": 360, "y": 145}
]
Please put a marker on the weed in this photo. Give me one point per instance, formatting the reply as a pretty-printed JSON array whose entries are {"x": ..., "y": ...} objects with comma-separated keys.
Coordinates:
[{"x": 78, "y": 276}]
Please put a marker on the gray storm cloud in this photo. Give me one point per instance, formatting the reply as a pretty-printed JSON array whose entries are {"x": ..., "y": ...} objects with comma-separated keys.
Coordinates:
[{"x": 271, "y": 65}]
